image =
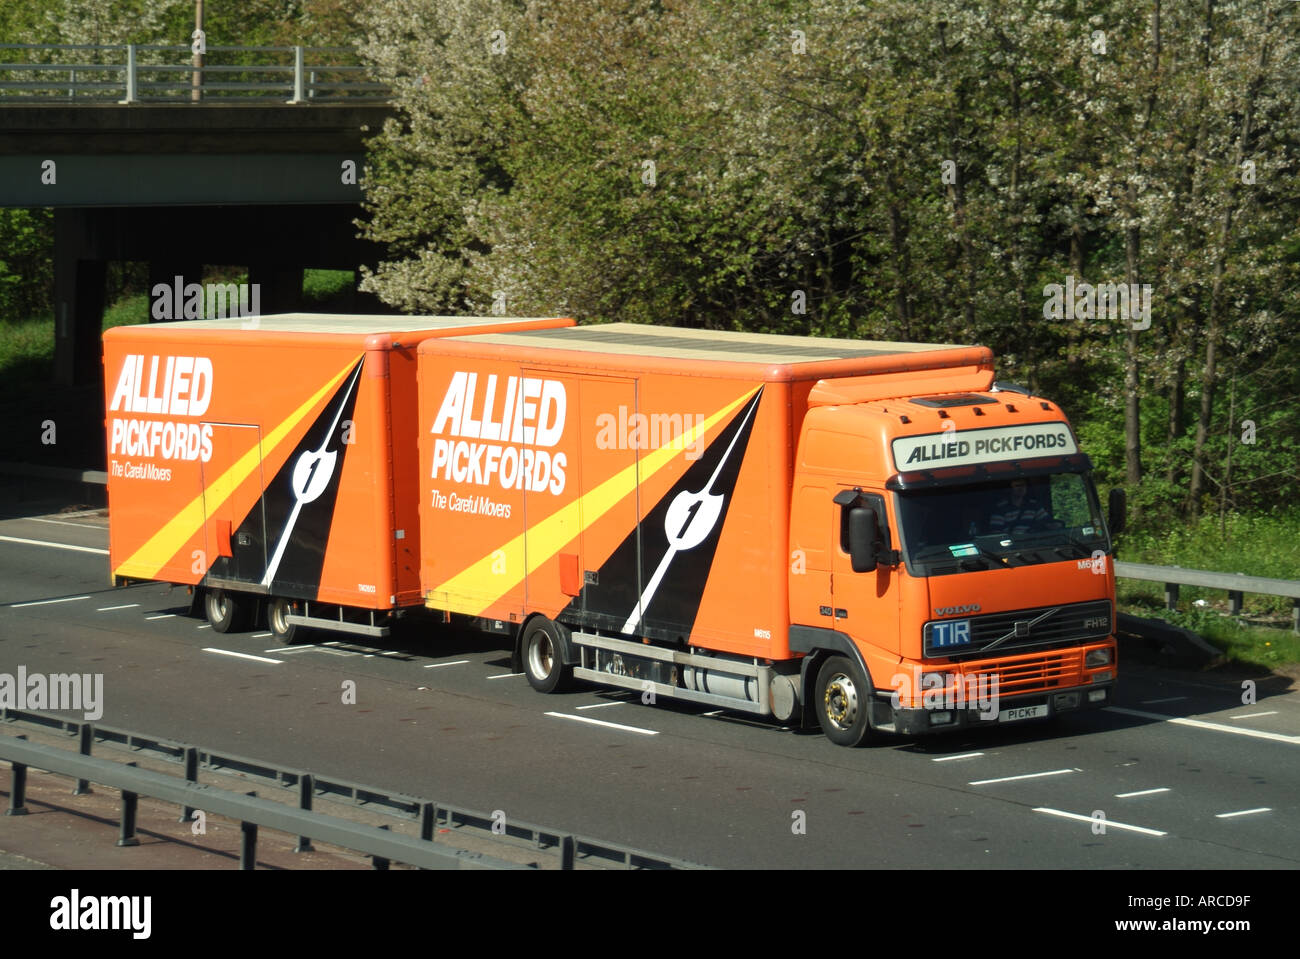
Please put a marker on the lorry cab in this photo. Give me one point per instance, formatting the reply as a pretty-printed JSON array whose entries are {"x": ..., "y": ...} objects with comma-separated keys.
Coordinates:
[{"x": 950, "y": 566}]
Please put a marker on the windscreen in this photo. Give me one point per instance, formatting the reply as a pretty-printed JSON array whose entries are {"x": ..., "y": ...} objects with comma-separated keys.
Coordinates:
[{"x": 1017, "y": 521}]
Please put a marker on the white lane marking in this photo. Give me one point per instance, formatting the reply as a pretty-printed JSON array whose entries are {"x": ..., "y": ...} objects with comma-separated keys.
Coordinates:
[
  {"x": 1271, "y": 712},
  {"x": 41, "y": 542},
  {"x": 598, "y": 705},
  {"x": 61, "y": 522},
  {"x": 331, "y": 644},
  {"x": 1109, "y": 823},
  {"x": 1171, "y": 699},
  {"x": 205, "y": 626},
  {"x": 260, "y": 635},
  {"x": 1202, "y": 724},
  {"x": 1142, "y": 792},
  {"x": 944, "y": 759},
  {"x": 601, "y": 722},
  {"x": 454, "y": 662},
  {"x": 47, "y": 602},
  {"x": 716, "y": 712},
  {"x": 106, "y": 609},
  {"x": 505, "y": 675},
  {"x": 1244, "y": 812},
  {"x": 161, "y": 616},
  {"x": 229, "y": 652},
  {"x": 1011, "y": 779},
  {"x": 290, "y": 649}
]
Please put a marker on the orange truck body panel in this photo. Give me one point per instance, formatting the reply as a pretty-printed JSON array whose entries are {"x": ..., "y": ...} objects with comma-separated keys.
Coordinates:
[{"x": 272, "y": 454}]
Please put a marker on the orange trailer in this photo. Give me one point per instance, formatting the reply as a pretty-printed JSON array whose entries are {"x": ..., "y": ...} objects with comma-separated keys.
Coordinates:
[
  {"x": 868, "y": 535},
  {"x": 273, "y": 460}
]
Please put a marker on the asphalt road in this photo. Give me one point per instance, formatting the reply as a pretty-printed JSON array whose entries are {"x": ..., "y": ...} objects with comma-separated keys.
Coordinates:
[{"x": 1179, "y": 773}]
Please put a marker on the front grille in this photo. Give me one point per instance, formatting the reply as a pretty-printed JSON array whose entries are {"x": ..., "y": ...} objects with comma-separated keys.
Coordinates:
[
  {"x": 1029, "y": 674},
  {"x": 1052, "y": 626}
]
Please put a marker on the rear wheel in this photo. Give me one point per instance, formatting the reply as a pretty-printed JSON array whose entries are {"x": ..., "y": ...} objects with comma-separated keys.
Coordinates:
[
  {"x": 277, "y": 620},
  {"x": 842, "y": 701},
  {"x": 228, "y": 612},
  {"x": 543, "y": 657}
]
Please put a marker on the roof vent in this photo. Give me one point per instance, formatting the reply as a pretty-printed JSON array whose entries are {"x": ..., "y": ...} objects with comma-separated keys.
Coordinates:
[{"x": 955, "y": 399}]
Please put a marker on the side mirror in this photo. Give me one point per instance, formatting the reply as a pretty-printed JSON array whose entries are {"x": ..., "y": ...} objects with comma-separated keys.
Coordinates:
[
  {"x": 863, "y": 539},
  {"x": 1117, "y": 511}
]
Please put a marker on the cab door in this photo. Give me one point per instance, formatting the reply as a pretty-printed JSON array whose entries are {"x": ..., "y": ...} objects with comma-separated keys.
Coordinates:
[
  {"x": 865, "y": 605},
  {"x": 812, "y": 531}
]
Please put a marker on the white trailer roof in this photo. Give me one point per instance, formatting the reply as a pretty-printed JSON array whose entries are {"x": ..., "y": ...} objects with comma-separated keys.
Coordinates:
[
  {"x": 638, "y": 339},
  {"x": 337, "y": 323}
]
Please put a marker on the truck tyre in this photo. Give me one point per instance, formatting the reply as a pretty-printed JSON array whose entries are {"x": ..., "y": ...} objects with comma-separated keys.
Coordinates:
[
  {"x": 843, "y": 701},
  {"x": 276, "y": 612},
  {"x": 228, "y": 612},
  {"x": 543, "y": 651}
]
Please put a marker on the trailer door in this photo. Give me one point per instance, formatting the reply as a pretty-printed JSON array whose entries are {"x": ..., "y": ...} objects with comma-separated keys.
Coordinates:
[
  {"x": 578, "y": 525},
  {"x": 234, "y": 510}
]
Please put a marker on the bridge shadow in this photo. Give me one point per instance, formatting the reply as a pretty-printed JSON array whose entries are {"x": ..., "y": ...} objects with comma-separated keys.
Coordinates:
[{"x": 25, "y": 496}]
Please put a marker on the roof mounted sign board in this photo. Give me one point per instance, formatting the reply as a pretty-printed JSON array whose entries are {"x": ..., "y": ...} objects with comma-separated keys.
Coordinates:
[{"x": 969, "y": 447}]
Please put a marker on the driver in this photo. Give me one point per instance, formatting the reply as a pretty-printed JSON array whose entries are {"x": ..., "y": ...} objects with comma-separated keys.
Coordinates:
[{"x": 1018, "y": 512}]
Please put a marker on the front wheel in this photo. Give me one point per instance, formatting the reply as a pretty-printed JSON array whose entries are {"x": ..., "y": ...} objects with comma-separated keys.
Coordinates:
[
  {"x": 842, "y": 701},
  {"x": 277, "y": 620},
  {"x": 228, "y": 612},
  {"x": 543, "y": 657}
]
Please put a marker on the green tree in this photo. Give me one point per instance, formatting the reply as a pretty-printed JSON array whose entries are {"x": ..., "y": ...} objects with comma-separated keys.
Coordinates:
[{"x": 26, "y": 263}]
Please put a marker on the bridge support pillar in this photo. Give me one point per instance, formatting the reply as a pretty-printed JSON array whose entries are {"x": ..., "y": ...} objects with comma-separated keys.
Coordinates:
[
  {"x": 281, "y": 287},
  {"x": 78, "y": 301}
]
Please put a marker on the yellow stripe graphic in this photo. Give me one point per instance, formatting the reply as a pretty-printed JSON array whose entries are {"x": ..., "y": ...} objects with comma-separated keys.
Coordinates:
[
  {"x": 465, "y": 592},
  {"x": 149, "y": 559}
]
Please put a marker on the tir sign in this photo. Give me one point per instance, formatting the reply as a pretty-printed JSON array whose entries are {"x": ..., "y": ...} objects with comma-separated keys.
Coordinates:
[{"x": 953, "y": 632}]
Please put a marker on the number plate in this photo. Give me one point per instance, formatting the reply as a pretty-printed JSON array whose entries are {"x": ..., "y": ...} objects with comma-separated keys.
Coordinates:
[{"x": 1022, "y": 712}]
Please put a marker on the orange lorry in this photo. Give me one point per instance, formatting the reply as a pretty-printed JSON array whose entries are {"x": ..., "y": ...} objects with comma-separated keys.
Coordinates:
[
  {"x": 868, "y": 536},
  {"x": 859, "y": 535},
  {"x": 271, "y": 461}
]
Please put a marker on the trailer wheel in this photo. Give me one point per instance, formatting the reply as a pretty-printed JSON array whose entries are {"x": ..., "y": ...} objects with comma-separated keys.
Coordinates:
[
  {"x": 543, "y": 657},
  {"x": 277, "y": 612},
  {"x": 842, "y": 701},
  {"x": 228, "y": 612}
]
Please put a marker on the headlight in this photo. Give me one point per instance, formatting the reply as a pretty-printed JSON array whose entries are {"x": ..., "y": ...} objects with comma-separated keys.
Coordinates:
[{"x": 1096, "y": 658}]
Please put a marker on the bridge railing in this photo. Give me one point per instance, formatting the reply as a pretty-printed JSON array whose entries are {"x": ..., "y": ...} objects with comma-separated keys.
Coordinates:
[{"x": 165, "y": 73}]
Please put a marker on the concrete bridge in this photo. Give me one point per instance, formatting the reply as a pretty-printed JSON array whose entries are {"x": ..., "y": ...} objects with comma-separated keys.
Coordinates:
[{"x": 262, "y": 171}]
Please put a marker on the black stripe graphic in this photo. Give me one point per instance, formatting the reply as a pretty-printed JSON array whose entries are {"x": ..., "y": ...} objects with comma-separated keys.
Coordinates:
[{"x": 702, "y": 496}]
